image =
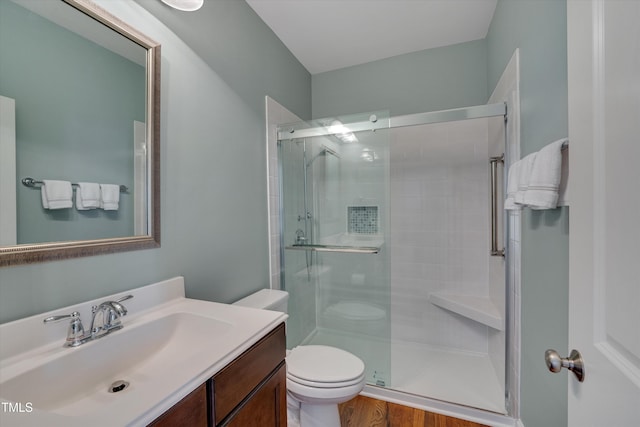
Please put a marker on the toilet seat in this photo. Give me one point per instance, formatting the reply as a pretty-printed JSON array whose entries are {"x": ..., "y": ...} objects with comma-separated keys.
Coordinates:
[
  {"x": 323, "y": 395},
  {"x": 317, "y": 384},
  {"x": 324, "y": 367}
]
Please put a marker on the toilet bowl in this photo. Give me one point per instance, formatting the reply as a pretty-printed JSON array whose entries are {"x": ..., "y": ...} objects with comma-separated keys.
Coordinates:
[{"x": 318, "y": 377}]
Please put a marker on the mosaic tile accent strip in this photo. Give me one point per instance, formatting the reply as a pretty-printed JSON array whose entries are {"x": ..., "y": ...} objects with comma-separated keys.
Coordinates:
[{"x": 362, "y": 219}]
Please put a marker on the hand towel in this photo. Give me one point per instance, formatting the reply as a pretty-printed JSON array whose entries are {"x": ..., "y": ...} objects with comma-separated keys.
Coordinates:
[
  {"x": 544, "y": 181},
  {"x": 56, "y": 194},
  {"x": 513, "y": 178},
  {"x": 109, "y": 197},
  {"x": 524, "y": 178},
  {"x": 87, "y": 196}
]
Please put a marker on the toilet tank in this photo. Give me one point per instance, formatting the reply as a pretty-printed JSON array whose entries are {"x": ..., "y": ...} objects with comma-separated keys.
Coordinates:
[{"x": 267, "y": 299}]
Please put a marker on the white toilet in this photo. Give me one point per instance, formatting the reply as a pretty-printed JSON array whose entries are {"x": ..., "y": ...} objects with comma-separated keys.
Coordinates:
[{"x": 318, "y": 377}]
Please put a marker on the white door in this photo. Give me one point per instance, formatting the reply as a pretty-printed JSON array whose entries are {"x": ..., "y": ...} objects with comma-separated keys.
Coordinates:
[{"x": 604, "y": 134}]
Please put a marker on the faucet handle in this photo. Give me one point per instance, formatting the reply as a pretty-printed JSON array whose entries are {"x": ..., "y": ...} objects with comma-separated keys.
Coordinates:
[
  {"x": 75, "y": 333},
  {"x": 72, "y": 316},
  {"x": 116, "y": 311},
  {"x": 124, "y": 298}
]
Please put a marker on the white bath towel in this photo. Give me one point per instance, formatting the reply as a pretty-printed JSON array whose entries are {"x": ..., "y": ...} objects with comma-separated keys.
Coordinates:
[
  {"x": 544, "y": 182},
  {"x": 109, "y": 197},
  {"x": 56, "y": 194},
  {"x": 87, "y": 196},
  {"x": 513, "y": 178},
  {"x": 524, "y": 178}
]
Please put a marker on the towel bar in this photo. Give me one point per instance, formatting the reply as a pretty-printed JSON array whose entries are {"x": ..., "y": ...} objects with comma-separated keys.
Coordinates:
[
  {"x": 342, "y": 249},
  {"x": 30, "y": 182}
]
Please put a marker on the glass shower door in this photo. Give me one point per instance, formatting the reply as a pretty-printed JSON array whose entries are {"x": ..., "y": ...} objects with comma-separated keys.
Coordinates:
[{"x": 335, "y": 229}]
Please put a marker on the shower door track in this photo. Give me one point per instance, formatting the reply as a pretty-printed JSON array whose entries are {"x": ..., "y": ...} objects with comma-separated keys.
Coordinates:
[{"x": 479, "y": 111}]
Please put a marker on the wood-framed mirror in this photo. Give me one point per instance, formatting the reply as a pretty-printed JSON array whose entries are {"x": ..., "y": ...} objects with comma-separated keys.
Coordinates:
[{"x": 79, "y": 103}]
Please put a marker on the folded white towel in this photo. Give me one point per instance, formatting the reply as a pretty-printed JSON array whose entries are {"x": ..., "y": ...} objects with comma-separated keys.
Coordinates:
[
  {"x": 513, "y": 179},
  {"x": 87, "y": 196},
  {"x": 524, "y": 178},
  {"x": 56, "y": 194},
  {"x": 544, "y": 182},
  {"x": 109, "y": 197}
]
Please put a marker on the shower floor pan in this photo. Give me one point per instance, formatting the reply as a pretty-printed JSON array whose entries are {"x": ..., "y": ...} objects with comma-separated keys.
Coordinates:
[{"x": 458, "y": 377}]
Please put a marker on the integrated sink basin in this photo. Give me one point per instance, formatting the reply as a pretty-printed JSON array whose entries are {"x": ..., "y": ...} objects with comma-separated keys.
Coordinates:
[
  {"x": 78, "y": 381},
  {"x": 133, "y": 375}
]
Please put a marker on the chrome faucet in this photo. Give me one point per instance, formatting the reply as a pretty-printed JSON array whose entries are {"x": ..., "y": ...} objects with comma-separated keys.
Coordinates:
[{"x": 107, "y": 313}]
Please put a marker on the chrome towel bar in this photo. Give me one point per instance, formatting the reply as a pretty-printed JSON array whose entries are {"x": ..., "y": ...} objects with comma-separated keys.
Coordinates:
[
  {"x": 30, "y": 182},
  {"x": 341, "y": 249}
]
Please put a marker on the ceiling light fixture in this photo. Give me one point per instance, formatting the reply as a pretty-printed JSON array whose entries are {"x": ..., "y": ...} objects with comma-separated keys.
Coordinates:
[{"x": 184, "y": 5}]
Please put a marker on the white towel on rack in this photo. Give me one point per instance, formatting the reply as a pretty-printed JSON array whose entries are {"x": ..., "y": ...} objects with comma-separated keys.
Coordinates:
[
  {"x": 109, "y": 197},
  {"x": 56, "y": 194},
  {"x": 513, "y": 178},
  {"x": 544, "y": 182},
  {"x": 524, "y": 177},
  {"x": 87, "y": 196}
]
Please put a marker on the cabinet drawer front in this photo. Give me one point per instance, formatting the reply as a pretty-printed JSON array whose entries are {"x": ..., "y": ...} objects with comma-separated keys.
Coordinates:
[{"x": 233, "y": 383}]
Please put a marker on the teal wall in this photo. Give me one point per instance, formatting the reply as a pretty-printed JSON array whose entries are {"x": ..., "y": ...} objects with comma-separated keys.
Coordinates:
[
  {"x": 218, "y": 64},
  {"x": 429, "y": 80},
  {"x": 213, "y": 190},
  {"x": 539, "y": 29},
  {"x": 85, "y": 134}
]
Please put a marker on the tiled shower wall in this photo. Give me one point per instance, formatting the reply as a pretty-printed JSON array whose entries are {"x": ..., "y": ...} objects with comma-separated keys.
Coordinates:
[{"x": 439, "y": 230}]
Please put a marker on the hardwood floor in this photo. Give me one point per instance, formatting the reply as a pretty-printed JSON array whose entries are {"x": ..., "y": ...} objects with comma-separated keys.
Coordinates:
[{"x": 367, "y": 412}]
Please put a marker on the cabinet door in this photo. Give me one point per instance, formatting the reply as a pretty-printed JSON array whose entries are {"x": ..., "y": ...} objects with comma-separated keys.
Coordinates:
[
  {"x": 189, "y": 412},
  {"x": 267, "y": 407},
  {"x": 239, "y": 378}
]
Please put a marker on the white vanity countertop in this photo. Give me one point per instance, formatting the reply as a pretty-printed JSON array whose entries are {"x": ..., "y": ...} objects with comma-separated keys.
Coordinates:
[{"x": 27, "y": 343}]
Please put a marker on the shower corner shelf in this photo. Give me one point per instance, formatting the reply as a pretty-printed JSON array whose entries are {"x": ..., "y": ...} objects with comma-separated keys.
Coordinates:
[{"x": 480, "y": 309}]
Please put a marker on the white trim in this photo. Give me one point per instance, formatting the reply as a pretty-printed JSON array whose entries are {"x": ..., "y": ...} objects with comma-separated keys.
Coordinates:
[{"x": 275, "y": 115}]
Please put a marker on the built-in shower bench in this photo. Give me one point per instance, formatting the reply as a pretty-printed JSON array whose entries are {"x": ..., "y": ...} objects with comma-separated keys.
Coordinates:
[{"x": 480, "y": 309}]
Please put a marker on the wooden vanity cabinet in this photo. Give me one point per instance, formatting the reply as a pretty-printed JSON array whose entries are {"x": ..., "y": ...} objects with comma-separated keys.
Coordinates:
[
  {"x": 251, "y": 390},
  {"x": 191, "y": 411},
  {"x": 248, "y": 392}
]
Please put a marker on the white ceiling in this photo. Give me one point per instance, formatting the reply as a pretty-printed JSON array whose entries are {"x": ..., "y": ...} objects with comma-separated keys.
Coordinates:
[{"x": 330, "y": 34}]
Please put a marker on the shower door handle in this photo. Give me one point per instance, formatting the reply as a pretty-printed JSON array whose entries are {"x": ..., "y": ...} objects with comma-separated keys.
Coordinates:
[{"x": 493, "y": 161}]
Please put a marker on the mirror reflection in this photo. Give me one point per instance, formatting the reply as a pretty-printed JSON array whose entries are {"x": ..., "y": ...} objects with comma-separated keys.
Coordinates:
[{"x": 76, "y": 140}]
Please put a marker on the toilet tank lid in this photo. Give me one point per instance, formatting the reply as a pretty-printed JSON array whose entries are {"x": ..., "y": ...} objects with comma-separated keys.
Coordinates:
[{"x": 264, "y": 298}]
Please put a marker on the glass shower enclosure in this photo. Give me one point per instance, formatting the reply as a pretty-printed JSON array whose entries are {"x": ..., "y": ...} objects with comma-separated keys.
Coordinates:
[
  {"x": 335, "y": 231},
  {"x": 387, "y": 248}
]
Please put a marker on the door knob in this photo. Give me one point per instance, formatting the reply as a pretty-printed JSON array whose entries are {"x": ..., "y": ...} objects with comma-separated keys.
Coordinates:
[{"x": 574, "y": 363}]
